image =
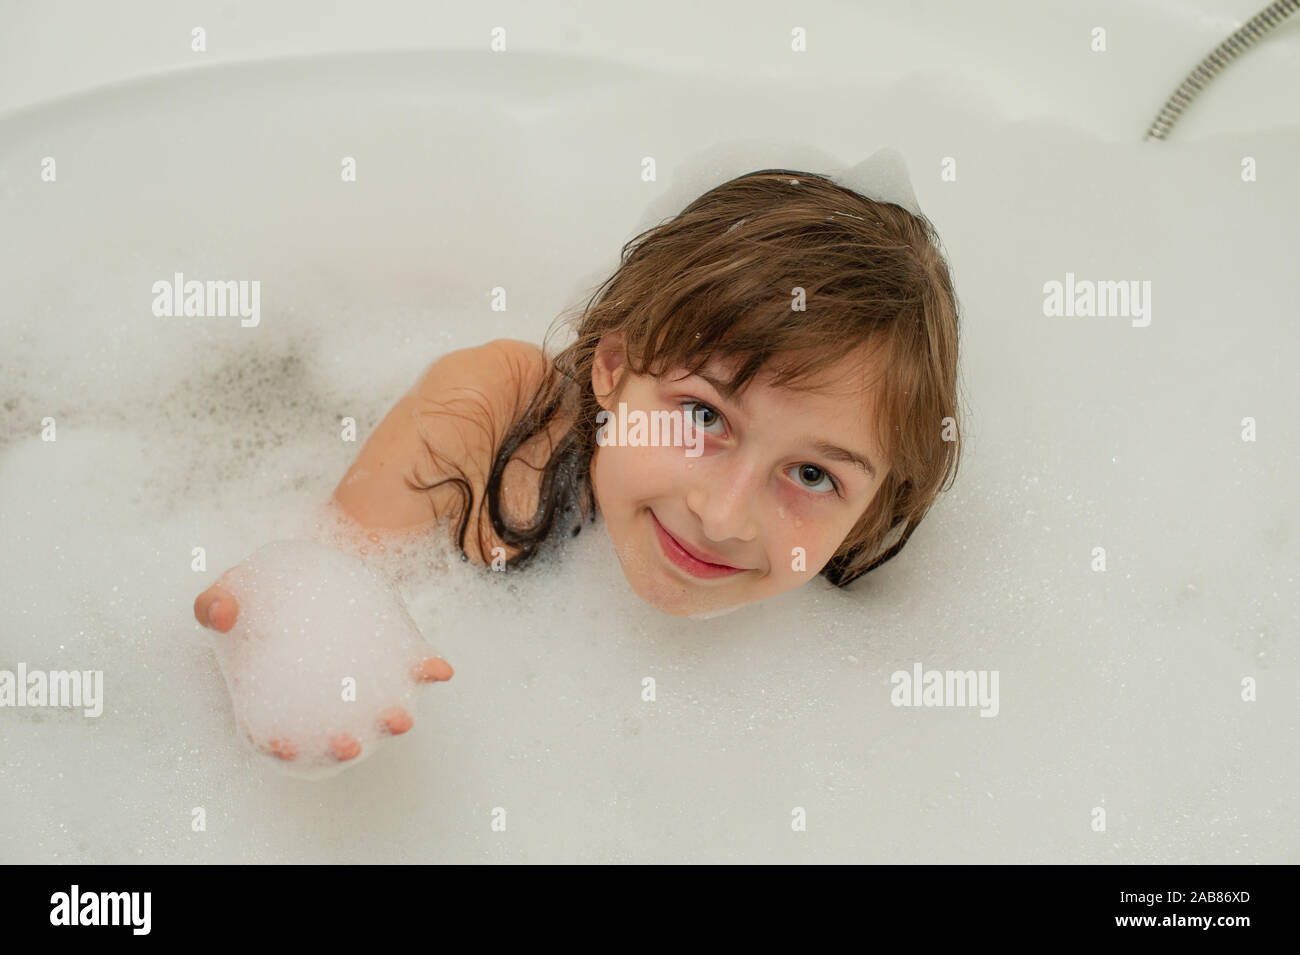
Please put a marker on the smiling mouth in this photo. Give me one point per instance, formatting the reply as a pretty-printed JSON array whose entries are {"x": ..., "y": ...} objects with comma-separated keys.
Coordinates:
[{"x": 684, "y": 559}]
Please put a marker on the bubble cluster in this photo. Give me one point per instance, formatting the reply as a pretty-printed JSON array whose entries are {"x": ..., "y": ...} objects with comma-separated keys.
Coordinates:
[
  {"x": 323, "y": 652},
  {"x": 604, "y": 730}
]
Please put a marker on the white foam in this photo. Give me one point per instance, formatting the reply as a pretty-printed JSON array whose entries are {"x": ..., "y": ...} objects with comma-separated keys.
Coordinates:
[
  {"x": 1118, "y": 688},
  {"x": 323, "y": 645}
]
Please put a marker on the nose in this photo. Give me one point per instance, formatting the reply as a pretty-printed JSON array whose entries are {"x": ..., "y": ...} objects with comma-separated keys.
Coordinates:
[{"x": 725, "y": 494}]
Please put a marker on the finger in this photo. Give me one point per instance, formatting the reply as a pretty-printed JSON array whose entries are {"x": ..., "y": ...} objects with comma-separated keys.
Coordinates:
[
  {"x": 201, "y": 604},
  {"x": 344, "y": 746},
  {"x": 433, "y": 669},
  {"x": 216, "y": 608},
  {"x": 396, "y": 720},
  {"x": 282, "y": 749}
]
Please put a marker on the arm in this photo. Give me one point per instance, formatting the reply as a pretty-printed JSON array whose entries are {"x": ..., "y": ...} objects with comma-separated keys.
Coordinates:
[{"x": 458, "y": 406}]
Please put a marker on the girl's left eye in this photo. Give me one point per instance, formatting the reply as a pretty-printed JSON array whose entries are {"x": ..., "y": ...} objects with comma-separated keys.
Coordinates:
[
  {"x": 717, "y": 418},
  {"x": 825, "y": 476},
  {"x": 831, "y": 485}
]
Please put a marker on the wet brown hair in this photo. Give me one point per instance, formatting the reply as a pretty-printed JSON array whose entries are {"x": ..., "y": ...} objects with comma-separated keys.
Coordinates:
[{"x": 716, "y": 281}]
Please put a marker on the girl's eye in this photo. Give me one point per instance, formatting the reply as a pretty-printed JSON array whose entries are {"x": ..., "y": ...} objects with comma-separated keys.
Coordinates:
[
  {"x": 696, "y": 407},
  {"x": 705, "y": 416},
  {"x": 825, "y": 476}
]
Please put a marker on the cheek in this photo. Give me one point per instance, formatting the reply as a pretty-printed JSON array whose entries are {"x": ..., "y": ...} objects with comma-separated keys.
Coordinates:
[
  {"x": 787, "y": 544},
  {"x": 802, "y": 524},
  {"x": 663, "y": 459},
  {"x": 800, "y": 505},
  {"x": 802, "y": 513},
  {"x": 636, "y": 470}
]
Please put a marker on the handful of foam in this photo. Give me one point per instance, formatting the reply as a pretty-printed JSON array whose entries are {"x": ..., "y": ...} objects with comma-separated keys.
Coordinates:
[{"x": 322, "y": 657}]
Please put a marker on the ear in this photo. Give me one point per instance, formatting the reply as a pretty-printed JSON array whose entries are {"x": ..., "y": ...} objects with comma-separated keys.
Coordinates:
[{"x": 609, "y": 364}]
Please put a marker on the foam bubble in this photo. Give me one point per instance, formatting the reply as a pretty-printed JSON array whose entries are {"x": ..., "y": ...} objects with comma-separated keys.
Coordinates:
[
  {"x": 323, "y": 646},
  {"x": 176, "y": 434}
]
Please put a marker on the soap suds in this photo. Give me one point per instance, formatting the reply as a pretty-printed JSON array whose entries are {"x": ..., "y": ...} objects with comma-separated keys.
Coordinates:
[{"x": 323, "y": 646}]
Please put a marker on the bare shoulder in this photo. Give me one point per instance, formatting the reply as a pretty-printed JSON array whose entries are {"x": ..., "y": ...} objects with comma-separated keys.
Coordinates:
[
  {"x": 466, "y": 403},
  {"x": 447, "y": 422},
  {"x": 521, "y": 366},
  {"x": 500, "y": 373}
]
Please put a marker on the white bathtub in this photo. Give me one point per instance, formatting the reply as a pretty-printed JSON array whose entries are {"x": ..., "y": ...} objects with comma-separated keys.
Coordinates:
[{"x": 1120, "y": 690}]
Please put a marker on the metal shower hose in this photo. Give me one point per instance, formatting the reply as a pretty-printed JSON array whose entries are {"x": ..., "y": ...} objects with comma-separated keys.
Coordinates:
[{"x": 1258, "y": 27}]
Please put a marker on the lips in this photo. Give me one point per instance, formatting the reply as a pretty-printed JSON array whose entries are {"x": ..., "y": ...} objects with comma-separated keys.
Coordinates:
[{"x": 687, "y": 558}]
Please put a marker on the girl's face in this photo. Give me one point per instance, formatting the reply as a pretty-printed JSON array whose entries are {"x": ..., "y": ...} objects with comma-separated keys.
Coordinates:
[{"x": 768, "y": 494}]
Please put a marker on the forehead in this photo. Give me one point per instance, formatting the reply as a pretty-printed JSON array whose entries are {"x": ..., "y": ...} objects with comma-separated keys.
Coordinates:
[{"x": 847, "y": 381}]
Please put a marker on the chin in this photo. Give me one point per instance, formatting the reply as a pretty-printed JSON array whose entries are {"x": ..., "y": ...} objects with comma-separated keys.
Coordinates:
[
  {"x": 710, "y": 614},
  {"x": 657, "y": 584},
  {"x": 674, "y": 603},
  {"x": 676, "y": 600}
]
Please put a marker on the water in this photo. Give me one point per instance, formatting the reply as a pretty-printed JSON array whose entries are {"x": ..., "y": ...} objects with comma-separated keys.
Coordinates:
[{"x": 1119, "y": 689}]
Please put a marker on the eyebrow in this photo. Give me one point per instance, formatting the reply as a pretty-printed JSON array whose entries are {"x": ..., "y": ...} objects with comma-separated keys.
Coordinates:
[
  {"x": 832, "y": 451},
  {"x": 836, "y": 453}
]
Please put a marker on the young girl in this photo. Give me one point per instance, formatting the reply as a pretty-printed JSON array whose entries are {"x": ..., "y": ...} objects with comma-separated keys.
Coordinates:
[{"x": 809, "y": 333}]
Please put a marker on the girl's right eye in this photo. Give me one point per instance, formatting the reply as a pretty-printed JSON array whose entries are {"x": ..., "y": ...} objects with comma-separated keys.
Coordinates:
[{"x": 694, "y": 407}]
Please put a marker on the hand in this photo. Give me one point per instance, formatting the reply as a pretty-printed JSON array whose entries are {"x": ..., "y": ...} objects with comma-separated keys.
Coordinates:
[{"x": 217, "y": 609}]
